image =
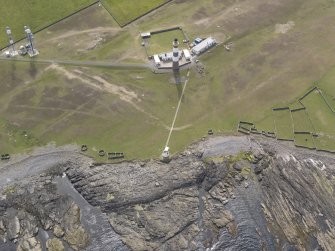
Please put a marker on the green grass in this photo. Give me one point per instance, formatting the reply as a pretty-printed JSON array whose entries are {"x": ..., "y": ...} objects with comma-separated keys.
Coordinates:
[
  {"x": 34, "y": 13},
  {"x": 15, "y": 139},
  {"x": 327, "y": 82},
  {"x": 162, "y": 42},
  {"x": 304, "y": 140},
  {"x": 325, "y": 143},
  {"x": 296, "y": 105},
  {"x": 242, "y": 84},
  {"x": 266, "y": 124},
  {"x": 323, "y": 119},
  {"x": 283, "y": 122},
  {"x": 301, "y": 121},
  {"x": 125, "y": 11},
  {"x": 55, "y": 108}
]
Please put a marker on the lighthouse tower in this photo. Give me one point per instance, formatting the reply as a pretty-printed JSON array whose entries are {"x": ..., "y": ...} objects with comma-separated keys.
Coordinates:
[{"x": 175, "y": 58}]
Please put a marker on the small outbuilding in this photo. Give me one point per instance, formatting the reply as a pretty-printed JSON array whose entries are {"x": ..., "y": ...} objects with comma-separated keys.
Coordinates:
[
  {"x": 166, "y": 57},
  {"x": 187, "y": 54},
  {"x": 204, "y": 46},
  {"x": 145, "y": 35},
  {"x": 157, "y": 60}
]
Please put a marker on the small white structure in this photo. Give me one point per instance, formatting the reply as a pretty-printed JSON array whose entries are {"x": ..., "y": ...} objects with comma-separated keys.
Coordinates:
[
  {"x": 187, "y": 55},
  {"x": 166, "y": 154},
  {"x": 157, "y": 60},
  {"x": 166, "y": 57},
  {"x": 204, "y": 46},
  {"x": 146, "y": 35}
]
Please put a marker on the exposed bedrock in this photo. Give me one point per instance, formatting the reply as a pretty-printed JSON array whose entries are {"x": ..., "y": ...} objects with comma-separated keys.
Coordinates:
[
  {"x": 234, "y": 193},
  {"x": 224, "y": 193}
]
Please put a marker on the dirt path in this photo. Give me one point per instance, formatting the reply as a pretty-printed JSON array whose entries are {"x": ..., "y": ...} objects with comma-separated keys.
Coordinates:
[
  {"x": 60, "y": 109},
  {"x": 180, "y": 128},
  {"x": 76, "y": 33},
  {"x": 99, "y": 83}
]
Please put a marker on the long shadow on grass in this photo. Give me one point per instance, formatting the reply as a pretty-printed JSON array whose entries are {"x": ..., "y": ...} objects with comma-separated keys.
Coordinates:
[
  {"x": 32, "y": 69},
  {"x": 177, "y": 80},
  {"x": 13, "y": 72}
]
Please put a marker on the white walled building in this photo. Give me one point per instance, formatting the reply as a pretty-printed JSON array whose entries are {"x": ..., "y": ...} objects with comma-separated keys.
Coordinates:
[{"x": 204, "y": 46}]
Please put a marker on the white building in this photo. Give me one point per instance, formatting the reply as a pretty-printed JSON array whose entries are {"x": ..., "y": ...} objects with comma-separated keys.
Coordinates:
[
  {"x": 157, "y": 60},
  {"x": 204, "y": 46},
  {"x": 146, "y": 35},
  {"x": 187, "y": 54},
  {"x": 166, "y": 56}
]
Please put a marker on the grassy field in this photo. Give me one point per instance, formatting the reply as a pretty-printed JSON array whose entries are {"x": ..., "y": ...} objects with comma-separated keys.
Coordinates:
[
  {"x": 87, "y": 105},
  {"x": 304, "y": 140},
  {"x": 66, "y": 106},
  {"x": 35, "y": 13},
  {"x": 162, "y": 42},
  {"x": 325, "y": 143},
  {"x": 266, "y": 124},
  {"x": 323, "y": 119},
  {"x": 284, "y": 126},
  {"x": 125, "y": 11},
  {"x": 301, "y": 121}
]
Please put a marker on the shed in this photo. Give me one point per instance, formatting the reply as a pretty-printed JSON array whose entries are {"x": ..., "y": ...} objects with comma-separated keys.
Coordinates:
[
  {"x": 187, "y": 54},
  {"x": 146, "y": 35},
  {"x": 166, "y": 56},
  {"x": 157, "y": 60},
  {"x": 204, "y": 46}
]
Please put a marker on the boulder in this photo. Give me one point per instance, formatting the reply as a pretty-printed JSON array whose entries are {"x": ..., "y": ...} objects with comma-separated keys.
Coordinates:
[
  {"x": 58, "y": 231},
  {"x": 55, "y": 244},
  {"x": 30, "y": 244},
  {"x": 77, "y": 238},
  {"x": 13, "y": 228}
]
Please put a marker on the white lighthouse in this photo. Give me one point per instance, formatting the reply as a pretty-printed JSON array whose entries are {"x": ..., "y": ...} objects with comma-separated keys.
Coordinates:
[{"x": 175, "y": 57}]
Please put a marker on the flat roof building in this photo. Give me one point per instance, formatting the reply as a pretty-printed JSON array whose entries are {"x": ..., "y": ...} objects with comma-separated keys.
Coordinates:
[
  {"x": 204, "y": 46},
  {"x": 157, "y": 60},
  {"x": 187, "y": 54},
  {"x": 145, "y": 34},
  {"x": 166, "y": 56}
]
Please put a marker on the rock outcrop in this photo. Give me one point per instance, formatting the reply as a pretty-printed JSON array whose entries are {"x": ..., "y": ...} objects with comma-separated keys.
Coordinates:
[
  {"x": 33, "y": 205},
  {"x": 224, "y": 193}
]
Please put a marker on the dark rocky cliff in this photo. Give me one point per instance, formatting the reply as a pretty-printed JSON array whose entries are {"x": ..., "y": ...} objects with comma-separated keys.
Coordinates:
[{"x": 225, "y": 193}]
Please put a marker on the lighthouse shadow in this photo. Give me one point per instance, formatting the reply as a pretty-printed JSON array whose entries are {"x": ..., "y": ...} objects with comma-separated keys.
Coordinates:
[{"x": 178, "y": 82}]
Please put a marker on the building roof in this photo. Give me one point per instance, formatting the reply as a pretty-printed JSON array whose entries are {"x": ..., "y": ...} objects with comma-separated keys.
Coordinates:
[
  {"x": 156, "y": 58},
  {"x": 166, "y": 56},
  {"x": 145, "y": 34},
  {"x": 187, "y": 53},
  {"x": 204, "y": 45}
]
